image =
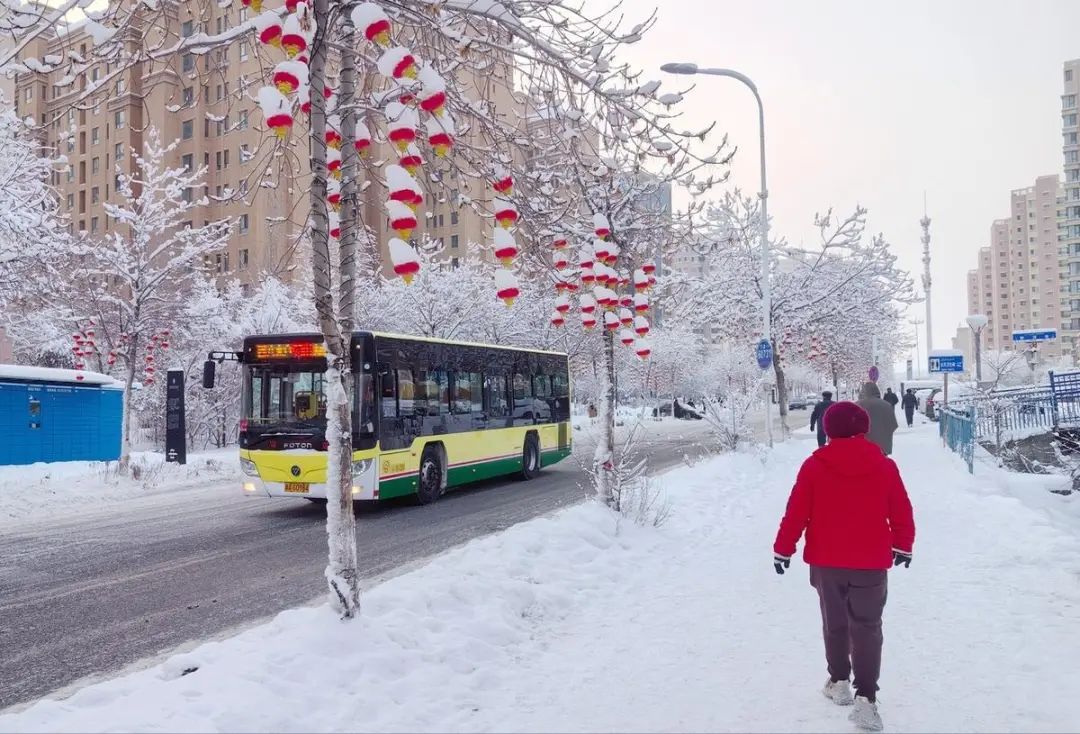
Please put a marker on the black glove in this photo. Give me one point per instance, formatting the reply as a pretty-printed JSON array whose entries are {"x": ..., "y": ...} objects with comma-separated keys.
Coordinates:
[
  {"x": 781, "y": 562},
  {"x": 901, "y": 557}
]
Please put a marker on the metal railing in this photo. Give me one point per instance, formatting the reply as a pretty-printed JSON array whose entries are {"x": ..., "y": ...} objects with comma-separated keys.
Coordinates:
[
  {"x": 957, "y": 428},
  {"x": 1002, "y": 414}
]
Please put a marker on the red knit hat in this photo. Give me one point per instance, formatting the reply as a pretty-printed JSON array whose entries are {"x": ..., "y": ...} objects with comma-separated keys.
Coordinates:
[{"x": 844, "y": 420}]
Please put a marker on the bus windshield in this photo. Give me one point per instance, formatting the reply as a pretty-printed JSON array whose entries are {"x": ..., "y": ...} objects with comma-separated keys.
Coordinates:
[{"x": 279, "y": 398}]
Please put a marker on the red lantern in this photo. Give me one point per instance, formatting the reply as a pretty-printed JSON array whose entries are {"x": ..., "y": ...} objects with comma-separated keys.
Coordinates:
[
  {"x": 397, "y": 63},
  {"x": 601, "y": 226},
  {"x": 626, "y": 317},
  {"x": 373, "y": 22},
  {"x": 611, "y": 321},
  {"x": 406, "y": 263},
  {"x": 641, "y": 303},
  {"x": 649, "y": 268},
  {"x": 363, "y": 138},
  {"x": 643, "y": 349},
  {"x": 503, "y": 185},
  {"x": 588, "y": 321},
  {"x": 626, "y": 337},
  {"x": 289, "y": 76},
  {"x": 506, "y": 287},
  {"x": 276, "y": 111},
  {"x": 588, "y": 303},
  {"x": 562, "y": 304},
  {"x": 402, "y": 218},
  {"x": 557, "y": 319},
  {"x": 267, "y": 26},
  {"x": 294, "y": 38},
  {"x": 506, "y": 248},
  {"x": 560, "y": 243},
  {"x": 506, "y": 213},
  {"x": 641, "y": 326},
  {"x": 440, "y": 134},
  {"x": 255, "y": 5}
]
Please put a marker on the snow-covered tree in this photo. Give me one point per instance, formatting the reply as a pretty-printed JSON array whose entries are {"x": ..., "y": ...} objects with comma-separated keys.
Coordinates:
[{"x": 846, "y": 290}]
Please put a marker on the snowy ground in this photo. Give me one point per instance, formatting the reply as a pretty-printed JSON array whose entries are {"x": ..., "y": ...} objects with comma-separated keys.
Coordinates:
[
  {"x": 76, "y": 487},
  {"x": 575, "y": 623}
]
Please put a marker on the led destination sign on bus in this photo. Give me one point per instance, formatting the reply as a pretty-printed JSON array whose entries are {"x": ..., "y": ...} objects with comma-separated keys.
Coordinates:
[{"x": 288, "y": 350}]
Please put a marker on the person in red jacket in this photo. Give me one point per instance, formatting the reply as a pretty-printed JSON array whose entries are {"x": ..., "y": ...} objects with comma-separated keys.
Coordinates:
[{"x": 852, "y": 505}]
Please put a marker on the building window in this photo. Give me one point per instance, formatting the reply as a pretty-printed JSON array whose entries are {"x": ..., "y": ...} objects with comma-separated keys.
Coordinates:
[
  {"x": 95, "y": 195},
  {"x": 243, "y": 223},
  {"x": 225, "y": 156},
  {"x": 71, "y": 201},
  {"x": 1069, "y": 120},
  {"x": 1068, "y": 75},
  {"x": 95, "y": 136},
  {"x": 243, "y": 187},
  {"x": 189, "y": 96},
  {"x": 243, "y": 51},
  {"x": 118, "y": 152},
  {"x": 95, "y": 165},
  {"x": 242, "y": 260},
  {"x": 242, "y": 123},
  {"x": 93, "y": 225},
  {"x": 453, "y": 242},
  {"x": 453, "y": 218},
  {"x": 187, "y": 29},
  {"x": 120, "y": 119},
  {"x": 217, "y": 161},
  {"x": 189, "y": 63},
  {"x": 187, "y": 195},
  {"x": 245, "y": 153},
  {"x": 188, "y": 162},
  {"x": 187, "y": 129}
]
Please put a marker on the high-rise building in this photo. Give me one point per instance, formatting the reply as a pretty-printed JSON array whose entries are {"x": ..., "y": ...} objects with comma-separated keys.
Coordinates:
[
  {"x": 1017, "y": 282},
  {"x": 206, "y": 102},
  {"x": 1070, "y": 207}
]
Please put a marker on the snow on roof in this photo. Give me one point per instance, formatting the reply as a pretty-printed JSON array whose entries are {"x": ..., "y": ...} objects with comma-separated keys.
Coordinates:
[{"x": 51, "y": 374}]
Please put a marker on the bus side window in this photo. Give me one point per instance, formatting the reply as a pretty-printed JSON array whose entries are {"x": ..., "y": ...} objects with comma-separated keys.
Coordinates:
[
  {"x": 406, "y": 393},
  {"x": 388, "y": 396},
  {"x": 495, "y": 403},
  {"x": 545, "y": 406},
  {"x": 467, "y": 398}
]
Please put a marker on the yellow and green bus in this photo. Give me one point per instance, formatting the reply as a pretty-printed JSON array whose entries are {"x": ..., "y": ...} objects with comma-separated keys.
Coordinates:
[{"x": 428, "y": 414}]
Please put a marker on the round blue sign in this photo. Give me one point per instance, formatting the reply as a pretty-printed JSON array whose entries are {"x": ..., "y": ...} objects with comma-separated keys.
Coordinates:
[
  {"x": 764, "y": 354},
  {"x": 874, "y": 374}
]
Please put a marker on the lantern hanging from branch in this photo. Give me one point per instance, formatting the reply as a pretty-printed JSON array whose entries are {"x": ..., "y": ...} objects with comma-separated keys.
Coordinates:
[
  {"x": 641, "y": 326},
  {"x": 613, "y": 254},
  {"x": 557, "y": 319},
  {"x": 411, "y": 160},
  {"x": 560, "y": 261},
  {"x": 440, "y": 132},
  {"x": 562, "y": 304},
  {"x": 268, "y": 28},
  {"x": 403, "y": 257},
  {"x": 335, "y": 224},
  {"x": 290, "y": 76},
  {"x": 601, "y": 226},
  {"x": 641, "y": 303},
  {"x": 304, "y": 96},
  {"x": 611, "y": 321},
  {"x": 333, "y": 162},
  {"x": 560, "y": 243},
  {"x": 503, "y": 182},
  {"x": 255, "y": 5},
  {"x": 648, "y": 268},
  {"x": 626, "y": 337},
  {"x": 626, "y": 316},
  {"x": 588, "y": 320},
  {"x": 402, "y": 186},
  {"x": 643, "y": 348},
  {"x": 373, "y": 22},
  {"x": 600, "y": 250},
  {"x": 333, "y": 193},
  {"x": 641, "y": 281},
  {"x": 506, "y": 286},
  {"x": 297, "y": 31},
  {"x": 588, "y": 303},
  {"x": 432, "y": 92},
  {"x": 363, "y": 139},
  {"x": 506, "y": 248},
  {"x": 402, "y": 218},
  {"x": 333, "y": 132},
  {"x": 401, "y": 124},
  {"x": 276, "y": 111},
  {"x": 397, "y": 63},
  {"x": 506, "y": 214}
]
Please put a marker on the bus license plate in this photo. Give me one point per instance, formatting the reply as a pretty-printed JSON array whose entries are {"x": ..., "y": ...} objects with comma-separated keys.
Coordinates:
[{"x": 297, "y": 487}]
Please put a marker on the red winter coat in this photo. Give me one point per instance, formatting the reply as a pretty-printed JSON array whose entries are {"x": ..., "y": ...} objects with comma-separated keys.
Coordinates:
[{"x": 851, "y": 502}]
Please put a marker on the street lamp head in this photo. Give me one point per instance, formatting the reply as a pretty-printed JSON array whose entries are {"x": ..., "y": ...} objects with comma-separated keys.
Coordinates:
[
  {"x": 683, "y": 68},
  {"x": 977, "y": 321}
]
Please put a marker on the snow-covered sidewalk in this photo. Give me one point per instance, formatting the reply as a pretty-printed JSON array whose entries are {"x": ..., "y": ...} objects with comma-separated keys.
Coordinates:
[{"x": 577, "y": 623}]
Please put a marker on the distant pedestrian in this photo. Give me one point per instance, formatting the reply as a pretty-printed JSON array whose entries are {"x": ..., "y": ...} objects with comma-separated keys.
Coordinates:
[
  {"x": 852, "y": 505},
  {"x": 910, "y": 404},
  {"x": 890, "y": 397},
  {"x": 592, "y": 412},
  {"x": 882, "y": 417},
  {"x": 816, "y": 416}
]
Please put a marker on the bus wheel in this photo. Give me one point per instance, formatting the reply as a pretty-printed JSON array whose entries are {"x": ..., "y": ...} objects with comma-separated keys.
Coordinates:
[
  {"x": 429, "y": 481},
  {"x": 530, "y": 457}
]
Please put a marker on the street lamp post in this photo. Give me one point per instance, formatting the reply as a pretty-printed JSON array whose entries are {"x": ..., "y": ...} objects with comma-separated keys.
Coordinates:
[
  {"x": 766, "y": 288},
  {"x": 977, "y": 322}
]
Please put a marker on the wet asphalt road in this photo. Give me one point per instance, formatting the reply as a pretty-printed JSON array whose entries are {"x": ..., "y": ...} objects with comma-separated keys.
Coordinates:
[{"x": 87, "y": 596}]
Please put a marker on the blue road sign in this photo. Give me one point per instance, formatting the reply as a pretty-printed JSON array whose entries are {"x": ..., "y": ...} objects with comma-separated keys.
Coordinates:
[
  {"x": 1034, "y": 335},
  {"x": 875, "y": 374},
  {"x": 764, "y": 354},
  {"x": 947, "y": 363}
]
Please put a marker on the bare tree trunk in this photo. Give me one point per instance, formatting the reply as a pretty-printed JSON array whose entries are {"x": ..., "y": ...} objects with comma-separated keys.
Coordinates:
[
  {"x": 604, "y": 458},
  {"x": 781, "y": 392},
  {"x": 341, "y": 571},
  {"x": 124, "y": 465}
]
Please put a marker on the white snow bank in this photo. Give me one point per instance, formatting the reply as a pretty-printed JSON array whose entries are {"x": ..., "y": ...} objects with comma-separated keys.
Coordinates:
[
  {"x": 39, "y": 490},
  {"x": 577, "y": 623}
]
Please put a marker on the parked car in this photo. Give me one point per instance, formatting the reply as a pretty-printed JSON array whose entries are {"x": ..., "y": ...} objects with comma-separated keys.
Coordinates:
[{"x": 797, "y": 404}]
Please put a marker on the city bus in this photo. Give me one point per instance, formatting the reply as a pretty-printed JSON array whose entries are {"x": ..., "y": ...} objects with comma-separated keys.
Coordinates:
[{"x": 428, "y": 414}]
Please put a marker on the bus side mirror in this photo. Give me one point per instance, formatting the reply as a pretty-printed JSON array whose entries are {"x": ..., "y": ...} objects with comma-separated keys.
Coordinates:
[{"x": 209, "y": 370}]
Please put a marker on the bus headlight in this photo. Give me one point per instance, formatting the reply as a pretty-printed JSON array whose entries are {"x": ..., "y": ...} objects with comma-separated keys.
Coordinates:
[
  {"x": 249, "y": 468},
  {"x": 360, "y": 467}
]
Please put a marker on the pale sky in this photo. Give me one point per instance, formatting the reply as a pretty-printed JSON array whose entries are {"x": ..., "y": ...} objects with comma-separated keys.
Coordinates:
[{"x": 873, "y": 103}]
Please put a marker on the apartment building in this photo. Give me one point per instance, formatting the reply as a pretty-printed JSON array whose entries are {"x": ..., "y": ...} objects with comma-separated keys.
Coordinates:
[
  {"x": 207, "y": 103},
  {"x": 1017, "y": 283},
  {"x": 1070, "y": 205}
]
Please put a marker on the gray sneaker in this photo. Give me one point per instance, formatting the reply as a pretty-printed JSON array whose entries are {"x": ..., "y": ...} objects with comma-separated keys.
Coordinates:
[
  {"x": 839, "y": 692},
  {"x": 865, "y": 715}
]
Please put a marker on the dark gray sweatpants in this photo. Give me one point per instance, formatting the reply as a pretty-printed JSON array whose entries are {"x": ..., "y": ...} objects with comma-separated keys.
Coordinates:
[{"x": 852, "y": 601}]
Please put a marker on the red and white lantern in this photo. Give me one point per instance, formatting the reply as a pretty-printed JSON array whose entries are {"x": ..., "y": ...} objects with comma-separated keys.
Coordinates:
[
  {"x": 560, "y": 243},
  {"x": 333, "y": 193},
  {"x": 506, "y": 214},
  {"x": 626, "y": 316},
  {"x": 333, "y": 132},
  {"x": 403, "y": 257},
  {"x": 506, "y": 248},
  {"x": 626, "y": 337},
  {"x": 432, "y": 92},
  {"x": 611, "y": 321},
  {"x": 289, "y": 76},
  {"x": 333, "y": 162},
  {"x": 641, "y": 281},
  {"x": 588, "y": 303},
  {"x": 297, "y": 32},
  {"x": 440, "y": 134},
  {"x": 641, "y": 303},
  {"x": 641, "y": 326},
  {"x": 601, "y": 226},
  {"x": 601, "y": 250},
  {"x": 335, "y": 224},
  {"x": 268, "y": 27},
  {"x": 557, "y": 319},
  {"x": 588, "y": 320},
  {"x": 401, "y": 124},
  {"x": 276, "y": 111},
  {"x": 402, "y": 218},
  {"x": 373, "y": 22},
  {"x": 648, "y": 268},
  {"x": 560, "y": 261},
  {"x": 643, "y": 348},
  {"x": 403, "y": 187},
  {"x": 506, "y": 287},
  {"x": 363, "y": 139},
  {"x": 562, "y": 304},
  {"x": 397, "y": 63},
  {"x": 411, "y": 160}
]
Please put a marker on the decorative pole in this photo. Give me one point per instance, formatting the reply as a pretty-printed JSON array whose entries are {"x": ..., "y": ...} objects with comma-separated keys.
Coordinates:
[{"x": 925, "y": 222}]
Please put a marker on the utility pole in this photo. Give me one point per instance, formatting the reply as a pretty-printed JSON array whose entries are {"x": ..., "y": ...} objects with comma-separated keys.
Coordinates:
[
  {"x": 925, "y": 222},
  {"x": 918, "y": 359}
]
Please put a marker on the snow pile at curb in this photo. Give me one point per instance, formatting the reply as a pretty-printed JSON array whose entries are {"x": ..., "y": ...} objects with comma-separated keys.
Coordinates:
[
  {"x": 577, "y": 622},
  {"x": 40, "y": 489}
]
